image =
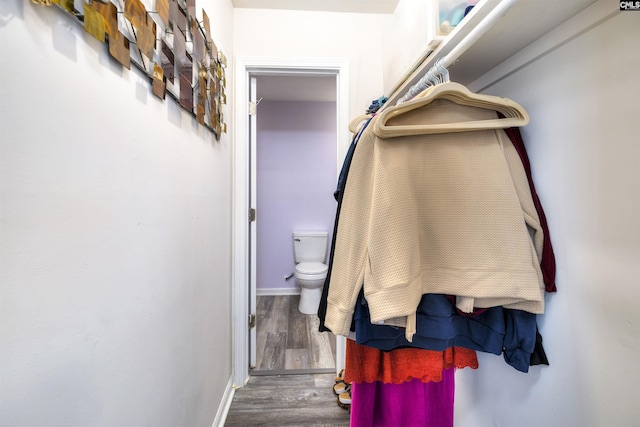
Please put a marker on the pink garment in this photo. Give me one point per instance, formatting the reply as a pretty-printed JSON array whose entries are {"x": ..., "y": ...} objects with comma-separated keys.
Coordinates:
[{"x": 410, "y": 404}]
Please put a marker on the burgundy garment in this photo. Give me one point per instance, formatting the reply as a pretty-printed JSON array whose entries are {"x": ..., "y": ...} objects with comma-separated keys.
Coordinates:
[
  {"x": 410, "y": 404},
  {"x": 548, "y": 262}
]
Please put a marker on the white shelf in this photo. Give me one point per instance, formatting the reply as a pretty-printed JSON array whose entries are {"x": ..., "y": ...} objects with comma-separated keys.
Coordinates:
[{"x": 522, "y": 24}]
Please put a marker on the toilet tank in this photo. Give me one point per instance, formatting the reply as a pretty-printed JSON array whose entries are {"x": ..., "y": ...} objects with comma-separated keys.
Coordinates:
[{"x": 310, "y": 246}]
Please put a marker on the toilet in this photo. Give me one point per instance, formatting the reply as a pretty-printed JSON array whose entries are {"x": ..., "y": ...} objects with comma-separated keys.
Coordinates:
[{"x": 310, "y": 251}]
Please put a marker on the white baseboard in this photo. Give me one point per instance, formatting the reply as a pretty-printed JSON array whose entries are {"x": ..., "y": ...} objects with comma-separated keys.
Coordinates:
[
  {"x": 225, "y": 404},
  {"x": 277, "y": 291}
]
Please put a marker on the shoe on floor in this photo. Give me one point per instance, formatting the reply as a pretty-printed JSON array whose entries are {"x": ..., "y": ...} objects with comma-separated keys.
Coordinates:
[
  {"x": 341, "y": 387},
  {"x": 345, "y": 398}
]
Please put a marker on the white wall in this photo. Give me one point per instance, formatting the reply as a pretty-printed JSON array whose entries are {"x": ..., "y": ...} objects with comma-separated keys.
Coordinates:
[
  {"x": 296, "y": 177},
  {"x": 115, "y": 264},
  {"x": 409, "y": 31},
  {"x": 304, "y": 34},
  {"x": 583, "y": 100}
]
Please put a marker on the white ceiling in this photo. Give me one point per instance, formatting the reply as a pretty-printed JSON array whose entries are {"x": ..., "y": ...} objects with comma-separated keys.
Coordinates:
[
  {"x": 296, "y": 87},
  {"x": 355, "y": 6}
]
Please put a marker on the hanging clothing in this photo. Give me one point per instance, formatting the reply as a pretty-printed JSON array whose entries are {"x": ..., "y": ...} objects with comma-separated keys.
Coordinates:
[
  {"x": 342, "y": 178},
  {"x": 412, "y": 403},
  {"x": 539, "y": 356},
  {"x": 338, "y": 194},
  {"x": 548, "y": 261},
  {"x": 517, "y": 331},
  {"x": 368, "y": 364},
  {"x": 440, "y": 326},
  {"x": 443, "y": 213}
]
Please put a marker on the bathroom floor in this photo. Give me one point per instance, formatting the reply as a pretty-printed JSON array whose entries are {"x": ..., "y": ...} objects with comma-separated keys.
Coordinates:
[{"x": 289, "y": 340}]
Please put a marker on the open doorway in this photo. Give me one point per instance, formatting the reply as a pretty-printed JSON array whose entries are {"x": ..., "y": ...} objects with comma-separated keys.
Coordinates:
[
  {"x": 293, "y": 162},
  {"x": 285, "y": 83}
]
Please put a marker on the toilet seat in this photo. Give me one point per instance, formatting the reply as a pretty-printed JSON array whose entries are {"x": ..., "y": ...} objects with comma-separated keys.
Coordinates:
[{"x": 311, "y": 268}]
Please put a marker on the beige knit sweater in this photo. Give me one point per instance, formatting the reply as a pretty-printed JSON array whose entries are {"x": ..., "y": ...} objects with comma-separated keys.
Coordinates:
[{"x": 445, "y": 213}]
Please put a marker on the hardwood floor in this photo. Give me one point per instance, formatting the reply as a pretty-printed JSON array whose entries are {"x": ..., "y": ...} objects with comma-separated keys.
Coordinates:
[
  {"x": 289, "y": 340},
  {"x": 287, "y": 400}
]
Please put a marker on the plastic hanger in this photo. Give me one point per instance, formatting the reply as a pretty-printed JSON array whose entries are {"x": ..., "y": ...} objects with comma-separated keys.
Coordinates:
[
  {"x": 514, "y": 114},
  {"x": 436, "y": 75},
  {"x": 442, "y": 71},
  {"x": 354, "y": 124}
]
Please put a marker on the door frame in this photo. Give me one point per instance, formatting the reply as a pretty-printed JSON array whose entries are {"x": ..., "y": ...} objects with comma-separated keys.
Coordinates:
[{"x": 244, "y": 67}]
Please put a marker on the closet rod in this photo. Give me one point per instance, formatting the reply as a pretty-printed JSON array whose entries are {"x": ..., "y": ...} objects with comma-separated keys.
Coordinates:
[{"x": 450, "y": 58}]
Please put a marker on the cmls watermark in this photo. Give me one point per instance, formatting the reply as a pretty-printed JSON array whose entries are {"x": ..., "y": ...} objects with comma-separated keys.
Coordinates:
[{"x": 630, "y": 5}]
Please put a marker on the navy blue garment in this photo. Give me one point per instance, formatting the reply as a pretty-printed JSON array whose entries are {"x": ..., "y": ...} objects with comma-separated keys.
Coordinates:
[
  {"x": 439, "y": 326},
  {"x": 538, "y": 357},
  {"x": 347, "y": 161},
  {"x": 338, "y": 194}
]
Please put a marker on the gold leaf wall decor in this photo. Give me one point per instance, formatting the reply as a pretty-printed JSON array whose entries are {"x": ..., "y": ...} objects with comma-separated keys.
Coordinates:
[
  {"x": 66, "y": 5},
  {"x": 223, "y": 59},
  {"x": 173, "y": 14},
  {"x": 135, "y": 12},
  {"x": 167, "y": 61},
  {"x": 186, "y": 89},
  {"x": 179, "y": 47},
  {"x": 146, "y": 38},
  {"x": 162, "y": 7},
  {"x": 94, "y": 22},
  {"x": 213, "y": 86},
  {"x": 110, "y": 14},
  {"x": 213, "y": 105},
  {"x": 198, "y": 41},
  {"x": 202, "y": 82},
  {"x": 186, "y": 94},
  {"x": 200, "y": 111},
  {"x": 180, "y": 21},
  {"x": 191, "y": 8},
  {"x": 207, "y": 26},
  {"x": 215, "y": 109},
  {"x": 213, "y": 50},
  {"x": 161, "y": 38},
  {"x": 119, "y": 49},
  {"x": 159, "y": 85},
  {"x": 42, "y": 2}
]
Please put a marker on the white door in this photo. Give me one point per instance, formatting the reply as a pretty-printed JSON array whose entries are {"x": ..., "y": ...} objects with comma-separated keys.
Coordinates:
[{"x": 252, "y": 217}]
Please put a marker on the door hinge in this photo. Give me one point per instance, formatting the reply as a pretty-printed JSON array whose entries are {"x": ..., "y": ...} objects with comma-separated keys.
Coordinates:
[
  {"x": 252, "y": 321},
  {"x": 252, "y": 215},
  {"x": 253, "y": 107}
]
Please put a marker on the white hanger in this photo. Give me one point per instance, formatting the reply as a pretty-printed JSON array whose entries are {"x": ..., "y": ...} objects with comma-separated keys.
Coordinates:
[
  {"x": 353, "y": 124},
  {"x": 515, "y": 115}
]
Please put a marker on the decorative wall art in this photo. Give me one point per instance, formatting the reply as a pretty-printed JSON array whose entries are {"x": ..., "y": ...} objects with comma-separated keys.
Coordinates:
[{"x": 170, "y": 45}]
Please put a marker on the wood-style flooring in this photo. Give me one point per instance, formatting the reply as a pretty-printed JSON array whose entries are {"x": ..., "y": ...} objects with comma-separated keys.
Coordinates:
[
  {"x": 289, "y": 340},
  {"x": 287, "y": 400}
]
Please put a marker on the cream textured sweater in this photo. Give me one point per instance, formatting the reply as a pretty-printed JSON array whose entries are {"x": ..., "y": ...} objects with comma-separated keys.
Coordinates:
[{"x": 445, "y": 213}]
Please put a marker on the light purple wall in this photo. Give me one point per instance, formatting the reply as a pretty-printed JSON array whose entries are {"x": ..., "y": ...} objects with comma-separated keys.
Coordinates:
[{"x": 296, "y": 177}]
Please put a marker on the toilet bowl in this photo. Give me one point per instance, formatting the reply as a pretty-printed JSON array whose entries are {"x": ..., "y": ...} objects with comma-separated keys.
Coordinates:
[
  {"x": 310, "y": 251},
  {"x": 310, "y": 276}
]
